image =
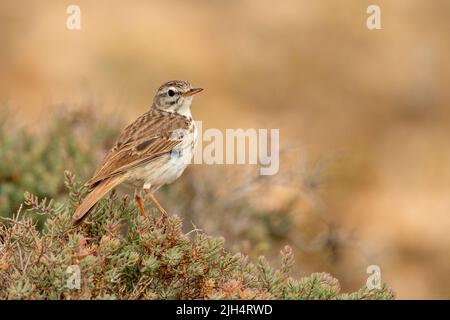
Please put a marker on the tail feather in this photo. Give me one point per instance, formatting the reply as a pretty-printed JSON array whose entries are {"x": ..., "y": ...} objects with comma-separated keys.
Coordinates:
[{"x": 93, "y": 197}]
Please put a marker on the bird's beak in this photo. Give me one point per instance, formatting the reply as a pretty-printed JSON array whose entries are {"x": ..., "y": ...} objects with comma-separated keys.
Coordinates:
[{"x": 192, "y": 91}]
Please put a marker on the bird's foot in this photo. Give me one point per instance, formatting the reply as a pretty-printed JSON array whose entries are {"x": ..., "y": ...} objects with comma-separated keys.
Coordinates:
[
  {"x": 152, "y": 197},
  {"x": 140, "y": 206}
]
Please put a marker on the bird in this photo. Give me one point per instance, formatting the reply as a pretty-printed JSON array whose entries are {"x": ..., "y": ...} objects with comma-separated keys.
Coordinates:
[{"x": 152, "y": 151}]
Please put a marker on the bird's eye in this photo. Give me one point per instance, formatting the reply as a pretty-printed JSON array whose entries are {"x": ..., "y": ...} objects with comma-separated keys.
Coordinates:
[{"x": 171, "y": 93}]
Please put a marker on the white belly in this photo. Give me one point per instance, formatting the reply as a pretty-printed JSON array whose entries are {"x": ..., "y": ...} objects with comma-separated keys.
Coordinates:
[{"x": 165, "y": 169}]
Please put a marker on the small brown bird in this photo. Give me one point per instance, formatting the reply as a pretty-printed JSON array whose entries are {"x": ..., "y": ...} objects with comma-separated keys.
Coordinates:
[{"x": 152, "y": 151}]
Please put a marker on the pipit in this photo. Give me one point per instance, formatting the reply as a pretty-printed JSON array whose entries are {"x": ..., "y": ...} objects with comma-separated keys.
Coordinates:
[{"x": 152, "y": 151}]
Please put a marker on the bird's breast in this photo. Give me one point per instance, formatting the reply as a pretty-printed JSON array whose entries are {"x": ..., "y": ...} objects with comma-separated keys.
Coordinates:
[{"x": 167, "y": 168}]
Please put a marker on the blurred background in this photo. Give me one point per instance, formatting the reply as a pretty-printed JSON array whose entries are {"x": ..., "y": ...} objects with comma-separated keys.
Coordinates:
[{"x": 364, "y": 121}]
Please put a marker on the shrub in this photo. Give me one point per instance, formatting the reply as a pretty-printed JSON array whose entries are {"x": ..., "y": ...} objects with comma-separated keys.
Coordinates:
[
  {"x": 122, "y": 255},
  {"x": 35, "y": 162}
]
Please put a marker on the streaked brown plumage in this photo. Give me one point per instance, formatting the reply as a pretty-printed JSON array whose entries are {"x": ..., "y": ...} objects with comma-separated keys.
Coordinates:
[{"x": 152, "y": 151}]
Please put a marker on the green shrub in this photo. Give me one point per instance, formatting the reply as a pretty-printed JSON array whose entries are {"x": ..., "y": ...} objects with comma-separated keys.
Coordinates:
[
  {"x": 35, "y": 162},
  {"x": 122, "y": 255}
]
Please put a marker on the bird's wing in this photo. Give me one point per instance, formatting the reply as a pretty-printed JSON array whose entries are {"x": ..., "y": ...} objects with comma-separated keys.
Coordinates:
[{"x": 153, "y": 134}]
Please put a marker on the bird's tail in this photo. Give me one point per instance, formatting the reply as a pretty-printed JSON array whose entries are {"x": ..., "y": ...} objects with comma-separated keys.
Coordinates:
[{"x": 93, "y": 197}]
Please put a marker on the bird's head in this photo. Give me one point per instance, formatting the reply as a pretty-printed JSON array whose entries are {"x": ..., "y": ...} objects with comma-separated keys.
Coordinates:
[{"x": 175, "y": 96}]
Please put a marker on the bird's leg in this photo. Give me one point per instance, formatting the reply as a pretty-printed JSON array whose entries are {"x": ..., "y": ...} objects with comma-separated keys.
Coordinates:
[
  {"x": 152, "y": 197},
  {"x": 138, "y": 199}
]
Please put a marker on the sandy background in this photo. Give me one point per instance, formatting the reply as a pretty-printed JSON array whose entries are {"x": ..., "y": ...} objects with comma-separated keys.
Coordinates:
[{"x": 371, "y": 106}]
